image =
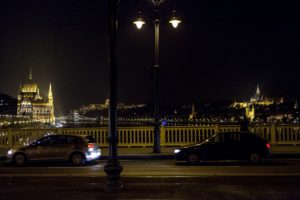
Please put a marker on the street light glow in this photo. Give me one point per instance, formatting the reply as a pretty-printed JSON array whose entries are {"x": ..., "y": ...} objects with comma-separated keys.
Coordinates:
[
  {"x": 174, "y": 19},
  {"x": 139, "y": 23},
  {"x": 174, "y": 22}
]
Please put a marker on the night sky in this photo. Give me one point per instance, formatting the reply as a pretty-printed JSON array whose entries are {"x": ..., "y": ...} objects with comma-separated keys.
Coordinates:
[{"x": 220, "y": 51}]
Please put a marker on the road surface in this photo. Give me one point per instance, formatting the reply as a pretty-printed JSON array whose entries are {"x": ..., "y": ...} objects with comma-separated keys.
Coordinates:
[
  {"x": 275, "y": 167},
  {"x": 278, "y": 179}
]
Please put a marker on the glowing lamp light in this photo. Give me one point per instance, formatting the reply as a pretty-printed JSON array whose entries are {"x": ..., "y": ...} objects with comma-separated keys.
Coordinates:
[
  {"x": 174, "y": 20},
  {"x": 139, "y": 22}
]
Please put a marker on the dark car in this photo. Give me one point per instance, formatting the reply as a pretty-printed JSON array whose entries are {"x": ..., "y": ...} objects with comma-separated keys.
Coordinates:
[
  {"x": 75, "y": 148},
  {"x": 226, "y": 146}
]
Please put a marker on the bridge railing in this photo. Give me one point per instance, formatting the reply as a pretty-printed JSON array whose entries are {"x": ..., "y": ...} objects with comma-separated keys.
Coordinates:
[{"x": 143, "y": 136}]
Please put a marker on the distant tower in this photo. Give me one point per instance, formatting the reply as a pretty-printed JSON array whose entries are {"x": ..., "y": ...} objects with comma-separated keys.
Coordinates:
[
  {"x": 107, "y": 102},
  {"x": 51, "y": 105},
  {"x": 30, "y": 75},
  {"x": 193, "y": 113},
  {"x": 257, "y": 90},
  {"x": 257, "y": 96},
  {"x": 296, "y": 105}
]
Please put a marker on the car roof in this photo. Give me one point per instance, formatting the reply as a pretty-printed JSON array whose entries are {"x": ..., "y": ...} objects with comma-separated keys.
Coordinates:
[
  {"x": 74, "y": 135},
  {"x": 239, "y": 132}
]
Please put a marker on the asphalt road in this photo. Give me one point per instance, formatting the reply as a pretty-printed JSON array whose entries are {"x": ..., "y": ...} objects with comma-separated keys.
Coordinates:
[
  {"x": 278, "y": 179},
  {"x": 144, "y": 168}
]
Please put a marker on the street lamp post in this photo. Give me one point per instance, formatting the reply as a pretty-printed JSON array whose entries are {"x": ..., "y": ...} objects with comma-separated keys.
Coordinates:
[
  {"x": 156, "y": 147},
  {"x": 139, "y": 22},
  {"x": 113, "y": 168}
]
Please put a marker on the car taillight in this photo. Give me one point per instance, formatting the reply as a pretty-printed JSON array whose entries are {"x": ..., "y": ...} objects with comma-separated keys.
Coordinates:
[
  {"x": 268, "y": 145},
  {"x": 91, "y": 146}
]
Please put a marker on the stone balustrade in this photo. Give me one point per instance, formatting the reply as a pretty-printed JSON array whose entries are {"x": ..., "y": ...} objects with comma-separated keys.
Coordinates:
[{"x": 143, "y": 136}]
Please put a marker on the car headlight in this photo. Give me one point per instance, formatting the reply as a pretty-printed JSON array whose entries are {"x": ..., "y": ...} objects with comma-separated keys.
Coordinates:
[
  {"x": 90, "y": 149},
  {"x": 10, "y": 152},
  {"x": 177, "y": 150}
]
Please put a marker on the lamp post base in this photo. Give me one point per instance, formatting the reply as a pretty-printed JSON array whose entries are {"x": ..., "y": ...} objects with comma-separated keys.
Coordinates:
[
  {"x": 156, "y": 147},
  {"x": 113, "y": 171}
]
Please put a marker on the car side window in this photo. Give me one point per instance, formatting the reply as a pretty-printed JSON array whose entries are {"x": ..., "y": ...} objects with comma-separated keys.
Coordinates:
[
  {"x": 43, "y": 141},
  {"x": 52, "y": 140},
  {"x": 249, "y": 138},
  {"x": 61, "y": 139},
  {"x": 236, "y": 137},
  {"x": 72, "y": 140},
  {"x": 218, "y": 138},
  {"x": 231, "y": 137}
]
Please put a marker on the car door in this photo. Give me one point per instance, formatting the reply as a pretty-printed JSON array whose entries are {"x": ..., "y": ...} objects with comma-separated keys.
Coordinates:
[
  {"x": 50, "y": 150},
  {"x": 39, "y": 149},
  {"x": 62, "y": 147},
  {"x": 237, "y": 148},
  {"x": 250, "y": 144},
  {"x": 211, "y": 149},
  {"x": 228, "y": 148}
]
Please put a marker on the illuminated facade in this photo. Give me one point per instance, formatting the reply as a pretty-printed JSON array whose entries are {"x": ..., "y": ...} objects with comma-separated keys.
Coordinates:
[
  {"x": 32, "y": 104},
  {"x": 257, "y": 99},
  {"x": 121, "y": 106},
  {"x": 250, "y": 112}
]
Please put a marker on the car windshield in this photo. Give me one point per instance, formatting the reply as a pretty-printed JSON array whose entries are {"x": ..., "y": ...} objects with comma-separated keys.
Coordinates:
[{"x": 210, "y": 139}]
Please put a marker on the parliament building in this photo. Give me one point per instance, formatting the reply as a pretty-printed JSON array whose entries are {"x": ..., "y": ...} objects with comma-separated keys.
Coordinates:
[{"x": 33, "y": 105}]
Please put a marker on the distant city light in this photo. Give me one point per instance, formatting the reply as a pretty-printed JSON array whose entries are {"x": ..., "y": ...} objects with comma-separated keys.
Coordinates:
[{"x": 164, "y": 123}]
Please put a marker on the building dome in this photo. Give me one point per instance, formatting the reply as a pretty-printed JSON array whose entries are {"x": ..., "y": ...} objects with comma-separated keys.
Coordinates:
[{"x": 30, "y": 87}]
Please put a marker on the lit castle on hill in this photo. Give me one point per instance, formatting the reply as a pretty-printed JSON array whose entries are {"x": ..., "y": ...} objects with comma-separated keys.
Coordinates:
[{"x": 257, "y": 100}]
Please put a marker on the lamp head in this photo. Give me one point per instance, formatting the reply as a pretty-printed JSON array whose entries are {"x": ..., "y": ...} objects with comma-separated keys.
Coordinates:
[
  {"x": 174, "y": 20},
  {"x": 139, "y": 22}
]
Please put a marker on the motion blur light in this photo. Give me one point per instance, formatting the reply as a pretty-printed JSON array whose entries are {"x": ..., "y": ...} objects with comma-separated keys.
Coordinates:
[
  {"x": 177, "y": 150},
  {"x": 10, "y": 152}
]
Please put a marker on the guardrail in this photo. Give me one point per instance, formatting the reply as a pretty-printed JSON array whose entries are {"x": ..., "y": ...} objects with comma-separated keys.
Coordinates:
[{"x": 143, "y": 136}]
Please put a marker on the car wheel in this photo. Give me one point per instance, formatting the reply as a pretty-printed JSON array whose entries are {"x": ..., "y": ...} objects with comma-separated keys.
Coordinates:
[
  {"x": 77, "y": 159},
  {"x": 19, "y": 159},
  {"x": 254, "y": 158},
  {"x": 193, "y": 159}
]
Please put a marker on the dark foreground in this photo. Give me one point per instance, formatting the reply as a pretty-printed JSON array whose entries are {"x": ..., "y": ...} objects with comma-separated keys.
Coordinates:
[{"x": 214, "y": 188}]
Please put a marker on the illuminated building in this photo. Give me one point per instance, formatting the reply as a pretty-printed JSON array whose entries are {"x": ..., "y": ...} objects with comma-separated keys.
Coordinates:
[
  {"x": 32, "y": 104},
  {"x": 250, "y": 112},
  {"x": 257, "y": 100},
  {"x": 121, "y": 106}
]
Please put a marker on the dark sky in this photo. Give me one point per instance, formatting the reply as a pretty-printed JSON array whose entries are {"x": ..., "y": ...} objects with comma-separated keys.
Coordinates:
[{"x": 221, "y": 51}]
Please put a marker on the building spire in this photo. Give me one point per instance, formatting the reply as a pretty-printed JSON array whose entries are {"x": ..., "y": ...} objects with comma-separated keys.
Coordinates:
[
  {"x": 257, "y": 90},
  {"x": 30, "y": 74},
  {"x": 50, "y": 92},
  {"x": 51, "y": 104}
]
